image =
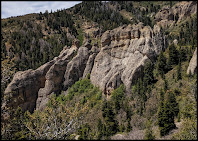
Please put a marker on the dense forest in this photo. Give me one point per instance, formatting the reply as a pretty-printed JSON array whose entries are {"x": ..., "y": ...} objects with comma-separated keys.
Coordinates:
[{"x": 163, "y": 97}]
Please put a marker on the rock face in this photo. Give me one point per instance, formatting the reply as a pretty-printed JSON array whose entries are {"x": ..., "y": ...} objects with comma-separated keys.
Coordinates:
[
  {"x": 24, "y": 87},
  {"x": 31, "y": 89},
  {"x": 54, "y": 77},
  {"x": 124, "y": 52},
  {"x": 75, "y": 67},
  {"x": 167, "y": 16},
  {"x": 120, "y": 59},
  {"x": 192, "y": 68}
]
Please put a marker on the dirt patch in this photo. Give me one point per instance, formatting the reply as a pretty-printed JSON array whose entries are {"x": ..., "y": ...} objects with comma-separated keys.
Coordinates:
[{"x": 133, "y": 135}]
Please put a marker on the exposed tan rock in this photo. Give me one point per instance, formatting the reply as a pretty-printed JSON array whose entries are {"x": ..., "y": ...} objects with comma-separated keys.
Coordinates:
[
  {"x": 30, "y": 86},
  {"x": 89, "y": 65},
  {"x": 123, "y": 57},
  {"x": 87, "y": 44},
  {"x": 75, "y": 67},
  {"x": 192, "y": 68},
  {"x": 120, "y": 59},
  {"x": 184, "y": 9},
  {"x": 24, "y": 87},
  {"x": 54, "y": 77},
  {"x": 175, "y": 42},
  {"x": 167, "y": 16}
]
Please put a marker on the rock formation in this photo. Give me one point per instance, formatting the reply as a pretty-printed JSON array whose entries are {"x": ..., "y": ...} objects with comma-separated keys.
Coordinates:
[
  {"x": 75, "y": 68},
  {"x": 124, "y": 52},
  {"x": 120, "y": 59},
  {"x": 168, "y": 15},
  {"x": 192, "y": 68},
  {"x": 54, "y": 77},
  {"x": 28, "y": 88},
  {"x": 23, "y": 89}
]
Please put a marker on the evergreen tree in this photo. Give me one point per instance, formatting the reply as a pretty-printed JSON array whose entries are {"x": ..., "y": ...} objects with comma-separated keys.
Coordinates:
[
  {"x": 161, "y": 64},
  {"x": 149, "y": 133},
  {"x": 165, "y": 85},
  {"x": 179, "y": 76},
  {"x": 148, "y": 74},
  {"x": 100, "y": 129},
  {"x": 84, "y": 132},
  {"x": 161, "y": 95},
  {"x": 118, "y": 97},
  {"x": 171, "y": 101},
  {"x": 129, "y": 128},
  {"x": 173, "y": 56},
  {"x": 168, "y": 109},
  {"x": 111, "y": 124}
]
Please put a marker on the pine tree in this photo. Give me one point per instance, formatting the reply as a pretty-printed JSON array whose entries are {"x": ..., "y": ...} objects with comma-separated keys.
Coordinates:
[
  {"x": 149, "y": 133},
  {"x": 172, "y": 56},
  {"x": 165, "y": 85},
  {"x": 179, "y": 76},
  {"x": 168, "y": 109},
  {"x": 129, "y": 128},
  {"x": 171, "y": 101},
  {"x": 160, "y": 114},
  {"x": 161, "y": 95},
  {"x": 100, "y": 129},
  {"x": 148, "y": 74},
  {"x": 111, "y": 124},
  {"x": 161, "y": 63}
]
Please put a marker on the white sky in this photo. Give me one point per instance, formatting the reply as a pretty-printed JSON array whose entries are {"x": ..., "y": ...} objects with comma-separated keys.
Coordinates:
[{"x": 17, "y": 8}]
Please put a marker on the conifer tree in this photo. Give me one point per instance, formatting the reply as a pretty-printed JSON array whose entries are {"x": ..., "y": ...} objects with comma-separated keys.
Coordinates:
[
  {"x": 148, "y": 73},
  {"x": 172, "y": 56},
  {"x": 100, "y": 129},
  {"x": 179, "y": 76},
  {"x": 161, "y": 63},
  {"x": 149, "y": 133},
  {"x": 168, "y": 109},
  {"x": 110, "y": 123},
  {"x": 129, "y": 128}
]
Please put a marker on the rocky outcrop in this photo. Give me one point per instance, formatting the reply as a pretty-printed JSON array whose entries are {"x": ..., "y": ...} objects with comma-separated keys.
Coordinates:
[
  {"x": 168, "y": 16},
  {"x": 192, "y": 68},
  {"x": 54, "y": 77},
  {"x": 23, "y": 89},
  {"x": 75, "y": 67},
  {"x": 120, "y": 59},
  {"x": 124, "y": 52},
  {"x": 89, "y": 65},
  {"x": 30, "y": 88}
]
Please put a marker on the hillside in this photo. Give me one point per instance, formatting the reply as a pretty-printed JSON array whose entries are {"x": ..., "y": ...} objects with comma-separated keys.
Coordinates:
[{"x": 101, "y": 70}]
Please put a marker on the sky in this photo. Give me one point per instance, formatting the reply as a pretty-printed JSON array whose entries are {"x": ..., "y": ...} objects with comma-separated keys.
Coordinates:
[{"x": 18, "y": 8}]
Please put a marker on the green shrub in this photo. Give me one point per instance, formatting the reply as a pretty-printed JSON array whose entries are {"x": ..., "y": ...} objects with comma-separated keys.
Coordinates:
[
  {"x": 83, "y": 100},
  {"x": 99, "y": 95},
  {"x": 118, "y": 97},
  {"x": 149, "y": 135},
  {"x": 187, "y": 132},
  {"x": 79, "y": 87},
  {"x": 84, "y": 131}
]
